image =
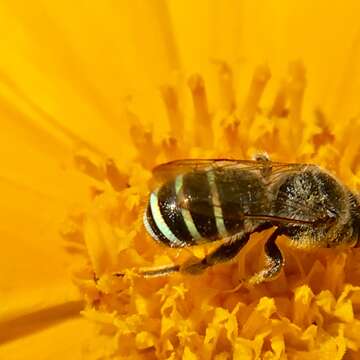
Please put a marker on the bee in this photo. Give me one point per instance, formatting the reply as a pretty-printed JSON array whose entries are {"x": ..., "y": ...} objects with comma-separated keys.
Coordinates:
[{"x": 205, "y": 200}]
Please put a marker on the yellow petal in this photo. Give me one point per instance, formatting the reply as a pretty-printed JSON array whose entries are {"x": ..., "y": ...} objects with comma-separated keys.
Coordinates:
[
  {"x": 57, "y": 341},
  {"x": 92, "y": 96}
]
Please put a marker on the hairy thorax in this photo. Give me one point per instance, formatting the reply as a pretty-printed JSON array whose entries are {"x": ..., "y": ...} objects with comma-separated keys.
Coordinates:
[{"x": 328, "y": 208}]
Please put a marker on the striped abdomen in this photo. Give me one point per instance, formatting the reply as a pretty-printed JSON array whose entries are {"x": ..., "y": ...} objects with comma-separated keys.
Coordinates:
[{"x": 214, "y": 203}]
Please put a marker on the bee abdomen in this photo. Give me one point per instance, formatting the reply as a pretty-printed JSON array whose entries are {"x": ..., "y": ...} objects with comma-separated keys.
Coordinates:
[
  {"x": 199, "y": 215},
  {"x": 163, "y": 218},
  {"x": 178, "y": 226}
]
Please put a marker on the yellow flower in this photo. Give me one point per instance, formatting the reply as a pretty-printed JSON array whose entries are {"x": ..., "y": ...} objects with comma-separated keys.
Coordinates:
[{"x": 92, "y": 96}]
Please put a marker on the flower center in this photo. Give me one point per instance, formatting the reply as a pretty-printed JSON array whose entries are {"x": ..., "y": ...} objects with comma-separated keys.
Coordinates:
[{"x": 183, "y": 314}]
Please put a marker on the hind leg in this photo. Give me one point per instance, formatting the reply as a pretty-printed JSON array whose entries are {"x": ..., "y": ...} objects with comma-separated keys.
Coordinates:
[
  {"x": 223, "y": 253},
  {"x": 273, "y": 261}
]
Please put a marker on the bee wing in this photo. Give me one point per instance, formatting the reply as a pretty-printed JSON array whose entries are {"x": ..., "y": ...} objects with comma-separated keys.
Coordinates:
[
  {"x": 271, "y": 172},
  {"x": 170, "y": 170},
  {"x": 203, "y": 208},
  {"x": 206, "y": 206}
]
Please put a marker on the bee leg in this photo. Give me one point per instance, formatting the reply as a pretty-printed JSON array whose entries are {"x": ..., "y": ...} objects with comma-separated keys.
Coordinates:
[
  {"x": 160, "y": 271},
  {"x": 223, "y": 253},
  {"x": 154, "y": 272},
  {"x": 273, "y": 261}
]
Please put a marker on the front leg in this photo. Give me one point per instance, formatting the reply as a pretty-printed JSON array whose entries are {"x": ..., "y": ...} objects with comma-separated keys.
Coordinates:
[{"x": 273, "y": 260}]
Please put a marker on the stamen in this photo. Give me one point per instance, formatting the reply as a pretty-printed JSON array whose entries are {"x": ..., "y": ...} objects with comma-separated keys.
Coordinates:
[
  {"x": 171, "y": 101},
  {"x": 171, "y": 148},
  {"x": 118, "y": 180},
  {"x": 278, "y": 108},
  {"x": 87, "y": 164},
  {"x": 231, "y": 131},
  {"x": 203, "y": 129},
  {"x": 296, "y": 88},
  {"x": 226, "y": 86},
  {"x": 142, "y": 140},
  {"x": 325, "y": 136},
  {"x": 258, "y": 83}
]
